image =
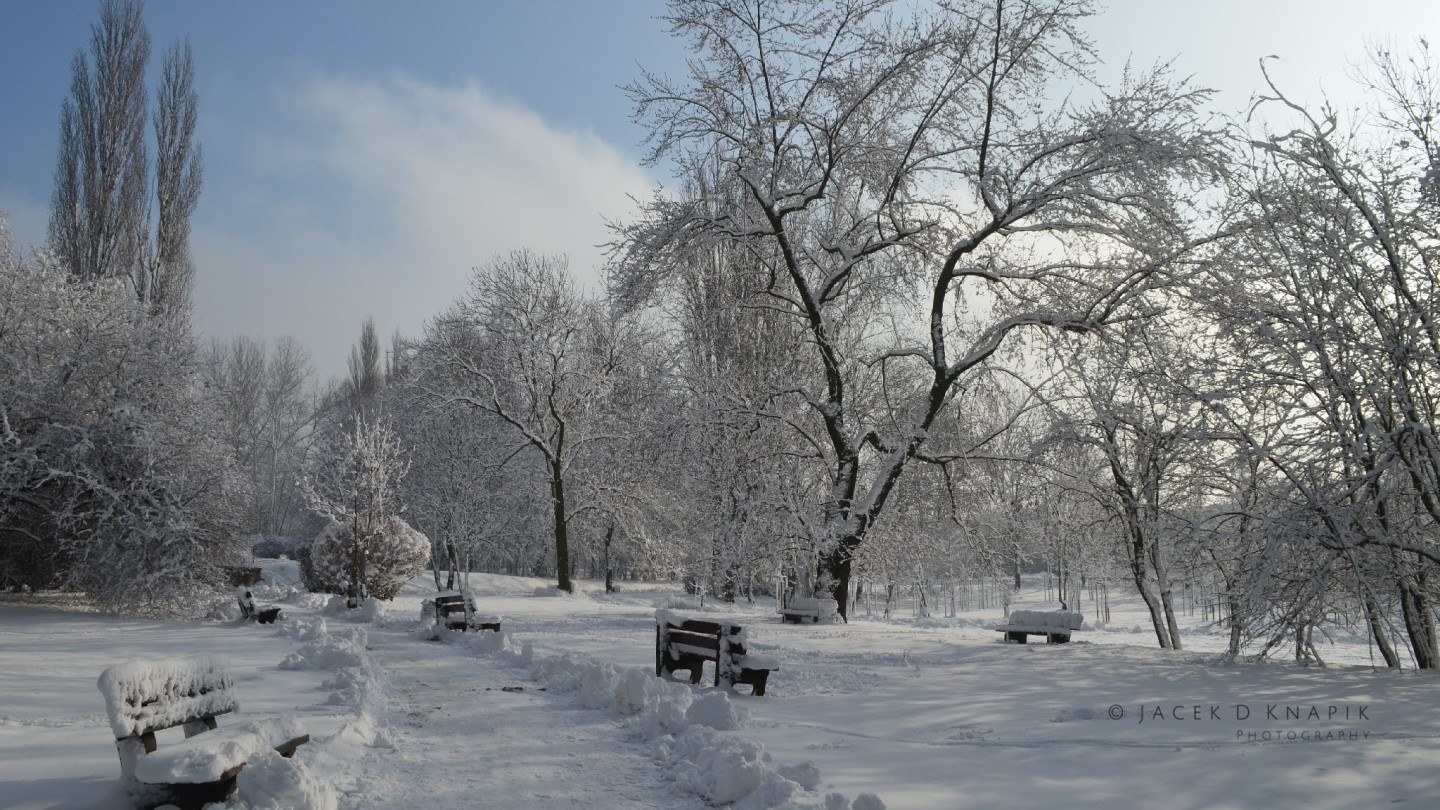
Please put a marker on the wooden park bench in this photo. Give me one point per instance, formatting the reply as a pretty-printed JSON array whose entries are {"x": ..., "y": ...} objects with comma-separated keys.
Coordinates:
[
  {"x": 684, "y": 643},
  {"x": 456, "y": 611},
  {"x": 143, "y": 697},
  {"x": 800, "y": 610},
  {"x": 249, "y": 611},
  {"x": 1055, "y": 625}
]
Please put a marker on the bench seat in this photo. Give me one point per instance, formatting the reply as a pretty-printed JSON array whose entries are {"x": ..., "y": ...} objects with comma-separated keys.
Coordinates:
[{"x": 218, "y": 755}]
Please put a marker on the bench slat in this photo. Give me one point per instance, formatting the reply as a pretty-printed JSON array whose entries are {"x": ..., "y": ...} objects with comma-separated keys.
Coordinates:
[{"x": 709, "y": 644}]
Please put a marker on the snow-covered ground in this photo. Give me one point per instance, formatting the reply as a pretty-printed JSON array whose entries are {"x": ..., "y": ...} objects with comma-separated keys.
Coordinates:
[{"x": 930, "y": 713}]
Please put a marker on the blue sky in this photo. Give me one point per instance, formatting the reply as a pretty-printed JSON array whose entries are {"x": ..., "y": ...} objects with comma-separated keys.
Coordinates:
[{"x": 362, "y": 156}]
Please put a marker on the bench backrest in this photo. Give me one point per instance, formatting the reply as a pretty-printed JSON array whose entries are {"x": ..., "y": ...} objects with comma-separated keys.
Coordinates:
[
  {"x": 698, "y": 635},
  {"x": 142, "y": 697}
]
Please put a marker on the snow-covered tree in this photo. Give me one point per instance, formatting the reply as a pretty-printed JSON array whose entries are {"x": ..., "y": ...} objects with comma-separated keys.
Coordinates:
[
  {"x": 112, "y": 480},
  {"x": 359, "y": 489},
  {"x": 521, "y": 347},
  {"x": 1331, "y": 298},
  {"x": 392, "y": 554},
  {"x": 269, "y": 412},
  {"x": 918, "y": 161}
]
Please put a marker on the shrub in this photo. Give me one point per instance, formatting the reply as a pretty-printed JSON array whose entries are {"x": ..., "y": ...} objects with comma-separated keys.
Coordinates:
[{"x": 393, "y": 556}]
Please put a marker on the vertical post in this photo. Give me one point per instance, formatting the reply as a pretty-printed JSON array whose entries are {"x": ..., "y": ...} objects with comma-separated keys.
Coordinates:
[
  {"x": 730, "y": 637},
  {"x": 131, "y": 750}
]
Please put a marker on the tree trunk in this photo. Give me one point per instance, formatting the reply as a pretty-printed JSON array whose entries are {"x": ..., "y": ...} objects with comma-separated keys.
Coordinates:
[
  {"x": 562, "y": 536},
  {"x": 835, "y": 568},
  {"x": 1166, "y": 601},
  {"x": 609, "y": 575},
  {"x": 1419, "y": 626},
  {"x": 1377, "y": 632},
  {"x": 1137, "y": 548}
]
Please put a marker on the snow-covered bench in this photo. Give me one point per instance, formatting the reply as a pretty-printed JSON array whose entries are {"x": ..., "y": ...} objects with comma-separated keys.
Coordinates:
[
  {"x": 800, "y": 610},
  {"x": 143, "y": 697},
  {"x": 1055, "y": 625},
  {"x": 249, "y": 611},
  {"x": 456, "y": 611},
  {"x": 685, "y": 643}
]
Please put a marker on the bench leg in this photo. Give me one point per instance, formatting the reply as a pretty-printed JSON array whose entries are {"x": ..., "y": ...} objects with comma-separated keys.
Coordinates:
[
  {"x": 1059, "y": 638},
  {"x": 1018, "y": 638},
  {"x": 756, "y": 678}
]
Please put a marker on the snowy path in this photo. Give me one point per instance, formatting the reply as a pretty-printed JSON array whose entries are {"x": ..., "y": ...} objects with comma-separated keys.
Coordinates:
[{"x": 460, "y": 741}]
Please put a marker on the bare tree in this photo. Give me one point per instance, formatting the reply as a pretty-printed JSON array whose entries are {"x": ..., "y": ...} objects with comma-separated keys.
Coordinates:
[
  {"x": 519, "y": 346},
  {"x": 170, "y": 275},
  {"x": 363, "y": 387},
  {"x": 98, "y": 215},
  {"x": 910, "y": 169},
  {"x": 1333, "y": 296}
]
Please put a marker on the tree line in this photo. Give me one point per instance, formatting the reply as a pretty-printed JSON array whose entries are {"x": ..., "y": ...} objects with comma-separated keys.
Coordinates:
[{"x": 927, "y": 301}]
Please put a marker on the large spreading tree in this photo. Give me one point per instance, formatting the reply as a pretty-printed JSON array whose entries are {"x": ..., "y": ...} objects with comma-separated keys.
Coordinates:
[{"x": 918, "y": 182}]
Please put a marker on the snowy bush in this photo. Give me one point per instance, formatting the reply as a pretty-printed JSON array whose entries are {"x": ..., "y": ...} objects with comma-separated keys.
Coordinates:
[
  {"x": 112, "y": 477},
  {"x": 393, "y": 555}
]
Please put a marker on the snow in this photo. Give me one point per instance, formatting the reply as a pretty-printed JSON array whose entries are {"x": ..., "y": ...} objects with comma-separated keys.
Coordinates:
[
  {"x": 145, "y": 695},
  {"x": 562, "y": 709},
  {"x": 273, "y": 782},
  {"x": 207, "y": 756}
]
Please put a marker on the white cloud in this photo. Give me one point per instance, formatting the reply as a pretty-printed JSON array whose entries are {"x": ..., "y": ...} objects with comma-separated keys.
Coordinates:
[{"x": 402, "y": 187}]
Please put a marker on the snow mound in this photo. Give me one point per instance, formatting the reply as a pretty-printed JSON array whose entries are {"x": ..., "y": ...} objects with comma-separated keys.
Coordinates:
[
  {"x": 723, "y": 770},
  {"x": 500, "y": 645},
  {"x": 307, "y": 628},
  {"x": 272, "y": 782},
  {"x": 333, "y": 651},
  {"x": 689, "y": 739},
  {"x": 370, "y": 609},
  {"x": 715, "y": 710},
  {"x": 551, "y": 590}
]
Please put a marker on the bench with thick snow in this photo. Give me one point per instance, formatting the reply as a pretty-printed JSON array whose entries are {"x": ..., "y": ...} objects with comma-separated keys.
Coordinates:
[
  {"x": 685, "y": 643},
  {"x": 814, "y": 610},
  {"x": 456, "y": 611},
  {"x": 143, "y": 697},
  {"x": 248, "y": 610},
  {"x": 1055, "y": 625}
]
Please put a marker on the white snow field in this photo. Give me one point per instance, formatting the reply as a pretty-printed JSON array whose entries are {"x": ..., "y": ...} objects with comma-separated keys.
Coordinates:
[{"x": 563, "y": 711}]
